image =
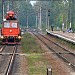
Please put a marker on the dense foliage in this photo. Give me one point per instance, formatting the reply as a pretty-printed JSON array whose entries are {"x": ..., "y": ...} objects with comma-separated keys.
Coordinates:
[{"x": 61, "y": 11}]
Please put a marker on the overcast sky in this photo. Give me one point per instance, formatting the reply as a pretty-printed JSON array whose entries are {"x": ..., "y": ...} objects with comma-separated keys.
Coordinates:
[{"x": 32, "y": 2}]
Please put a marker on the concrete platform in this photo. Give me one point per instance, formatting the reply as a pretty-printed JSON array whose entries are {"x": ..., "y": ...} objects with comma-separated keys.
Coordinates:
[{"x": 70, "y": 37}]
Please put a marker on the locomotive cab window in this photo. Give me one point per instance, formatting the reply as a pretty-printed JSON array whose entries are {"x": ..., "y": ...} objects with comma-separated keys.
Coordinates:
[
  {"x": 6, "y": 25},
  {"x": 14, "y": 25}
]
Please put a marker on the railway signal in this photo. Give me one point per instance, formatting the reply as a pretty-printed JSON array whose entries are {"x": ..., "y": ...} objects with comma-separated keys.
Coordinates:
[
  {"x": 2, "y": 10},
  {"x": 48, "y": 12},
  {"x": 48, "y": 18}
]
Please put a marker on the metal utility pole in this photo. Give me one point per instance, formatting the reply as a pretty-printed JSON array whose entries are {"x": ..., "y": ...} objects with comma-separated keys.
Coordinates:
[
  {"x": 48, "y": 22},
  {"x": 63, "y": 23},
  {"x": 8, "y": 7},
  {"x": 67, "y": 21},
  {"x": 40, "y": 18},
  {"x": 48, "y": 18},
  {"x": 2, "y": 10},
  {"x": 36, "y": 20},
  {"x": 70, "y": 13},
  {"x": 12, "y": 4},
  {"x": 27, "y": 20},
  {"x": 26, "y": 16},
  {"x": 26, "y": 0},
  {"x": 70, "y": 18}
]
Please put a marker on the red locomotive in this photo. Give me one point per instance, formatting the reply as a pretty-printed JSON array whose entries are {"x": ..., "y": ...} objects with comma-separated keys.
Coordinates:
[{"x": 10, "y": 32}]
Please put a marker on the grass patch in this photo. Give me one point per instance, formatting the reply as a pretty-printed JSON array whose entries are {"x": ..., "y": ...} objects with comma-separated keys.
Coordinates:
[
  {"x": 66, "y": 43},
  {"x": 29, "y": 44},
  {"x": 37, "y": 65}
]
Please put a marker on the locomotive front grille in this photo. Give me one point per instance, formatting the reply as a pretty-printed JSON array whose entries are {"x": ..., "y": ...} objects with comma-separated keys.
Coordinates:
[{"x": 10, "y": 39}]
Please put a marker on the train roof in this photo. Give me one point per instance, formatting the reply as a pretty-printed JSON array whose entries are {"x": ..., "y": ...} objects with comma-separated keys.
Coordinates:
[
  {"x": 11, "y": 21},
  {"x": 11, "y": 12}
]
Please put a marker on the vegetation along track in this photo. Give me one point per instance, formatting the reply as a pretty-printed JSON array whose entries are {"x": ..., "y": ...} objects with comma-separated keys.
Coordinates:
[
  {"x": 63, "y": 53},
  {"x": 7, "y": 59}
]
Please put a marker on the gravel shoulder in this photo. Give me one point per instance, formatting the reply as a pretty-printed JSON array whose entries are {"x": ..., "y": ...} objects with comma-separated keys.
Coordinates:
[
  {"x": 20, "y": 66},
  {"x": 58, "y": 66}
]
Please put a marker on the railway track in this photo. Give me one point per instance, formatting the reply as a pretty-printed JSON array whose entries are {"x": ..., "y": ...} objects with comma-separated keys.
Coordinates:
[
  {"x": 7, "y": 59},
  {"x": 66, "y": 55},
  {"x": 2, "y": 48},
  {"x": 9, "y": 68}
]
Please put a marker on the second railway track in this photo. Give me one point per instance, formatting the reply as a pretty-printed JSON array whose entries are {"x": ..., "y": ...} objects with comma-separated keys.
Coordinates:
[{"x": 66, "y": 55}]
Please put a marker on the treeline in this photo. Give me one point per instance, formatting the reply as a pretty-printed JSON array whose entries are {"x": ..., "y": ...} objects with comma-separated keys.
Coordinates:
[
  {"x": 23, "y": 10},
  {"x": 61, "y": 12}
]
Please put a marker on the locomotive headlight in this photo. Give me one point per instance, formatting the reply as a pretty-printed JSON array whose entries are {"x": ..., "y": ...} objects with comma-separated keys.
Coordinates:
[
  {"x": 19, "y": 37},
  {"x": 2, "y": 37},
  {"x": 10, "y": 30}
]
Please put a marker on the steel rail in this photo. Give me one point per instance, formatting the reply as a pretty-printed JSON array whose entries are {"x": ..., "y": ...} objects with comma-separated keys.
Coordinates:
[
  {"x": 58, "y": 45},
  {"x": 58, "y": 54},
  {"x": 2, "y": 48}
]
